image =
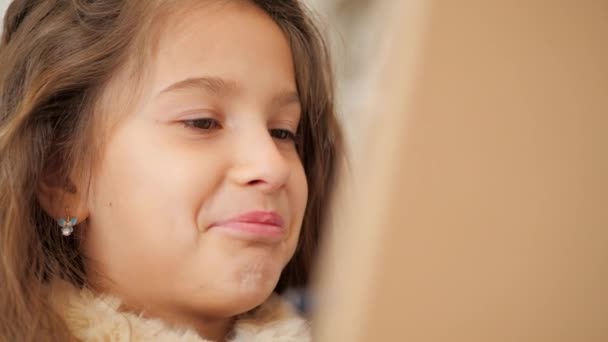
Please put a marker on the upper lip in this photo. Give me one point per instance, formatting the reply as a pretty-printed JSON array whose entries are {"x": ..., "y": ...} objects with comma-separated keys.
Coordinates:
[{"x": 270, "y": 218}]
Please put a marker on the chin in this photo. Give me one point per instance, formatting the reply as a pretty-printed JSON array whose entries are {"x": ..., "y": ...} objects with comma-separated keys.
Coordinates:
[
  {"x": 247, "y": 301},
  {"x": 252, "y": 289}
]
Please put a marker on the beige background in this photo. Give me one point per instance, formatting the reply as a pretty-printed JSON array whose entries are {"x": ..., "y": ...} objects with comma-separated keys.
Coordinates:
[{"x": 481, "y": 212}]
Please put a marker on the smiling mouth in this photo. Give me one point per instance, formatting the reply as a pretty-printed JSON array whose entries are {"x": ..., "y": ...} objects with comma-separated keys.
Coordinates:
[{"x": 260, "y": 226}]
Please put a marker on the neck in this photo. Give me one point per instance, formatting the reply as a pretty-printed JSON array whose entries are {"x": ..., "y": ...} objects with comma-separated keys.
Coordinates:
[{"x": 215, "y": 330}]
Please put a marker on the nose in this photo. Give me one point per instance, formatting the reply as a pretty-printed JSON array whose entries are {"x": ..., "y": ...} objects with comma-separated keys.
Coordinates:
[{"x": 258, "y": 161}]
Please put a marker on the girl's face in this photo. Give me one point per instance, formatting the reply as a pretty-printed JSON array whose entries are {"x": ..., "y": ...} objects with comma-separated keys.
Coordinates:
[{"x": 197, "y": 203}]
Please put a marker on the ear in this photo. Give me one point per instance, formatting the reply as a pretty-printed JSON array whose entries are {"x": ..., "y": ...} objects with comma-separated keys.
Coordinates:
[{"x": 60, "y": 201}]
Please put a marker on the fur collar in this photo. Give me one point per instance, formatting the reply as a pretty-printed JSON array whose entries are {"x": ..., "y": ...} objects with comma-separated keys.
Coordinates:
[{"x": 96, "y": 318}]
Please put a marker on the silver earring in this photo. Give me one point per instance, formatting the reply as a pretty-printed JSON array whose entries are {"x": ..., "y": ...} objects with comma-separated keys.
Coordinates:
[{"x": 67, "y": 224}]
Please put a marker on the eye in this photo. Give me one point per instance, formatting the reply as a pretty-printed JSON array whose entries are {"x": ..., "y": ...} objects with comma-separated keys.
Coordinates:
[
  {"x": 202, "y": 124},
  {"x": 282, "y": 134}
]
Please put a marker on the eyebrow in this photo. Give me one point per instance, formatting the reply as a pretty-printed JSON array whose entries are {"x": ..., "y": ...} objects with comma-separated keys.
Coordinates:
[
  {"x": 219, "y": 86},
  {"x": 213, "y": 85}
]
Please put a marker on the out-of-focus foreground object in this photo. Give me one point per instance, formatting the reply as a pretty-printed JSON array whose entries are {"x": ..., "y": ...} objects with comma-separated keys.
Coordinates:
[{"x": 481, "y": 207}]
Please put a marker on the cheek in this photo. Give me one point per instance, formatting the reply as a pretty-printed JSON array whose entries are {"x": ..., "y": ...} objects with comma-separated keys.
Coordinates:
[
  {"x": 144, "y": 202},
  {"x": 298, "y": 198},
  {"x": 158, "y": 175},
  {"x": 300, "y": 185}
]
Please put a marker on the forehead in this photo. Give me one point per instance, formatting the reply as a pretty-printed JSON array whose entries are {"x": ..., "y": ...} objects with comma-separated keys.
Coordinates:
[{"x": 231, "y": 40}]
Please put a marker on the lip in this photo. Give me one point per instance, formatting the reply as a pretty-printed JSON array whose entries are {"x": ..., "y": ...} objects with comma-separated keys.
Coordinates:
[{"x": 261, "y": 226}]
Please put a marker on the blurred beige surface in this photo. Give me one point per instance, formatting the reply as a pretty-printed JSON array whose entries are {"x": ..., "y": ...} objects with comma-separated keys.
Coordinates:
[{"x": 482, "y": 205}]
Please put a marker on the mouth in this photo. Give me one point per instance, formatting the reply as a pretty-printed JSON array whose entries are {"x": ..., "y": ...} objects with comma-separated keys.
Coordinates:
[{"x": 257, "y": 226}]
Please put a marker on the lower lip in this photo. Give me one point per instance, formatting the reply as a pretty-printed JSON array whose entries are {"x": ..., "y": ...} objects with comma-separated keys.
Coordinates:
[{"x": 252, "y": 231}]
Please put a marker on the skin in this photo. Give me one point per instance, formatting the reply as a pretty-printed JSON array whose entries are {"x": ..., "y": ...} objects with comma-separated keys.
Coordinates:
[{"x": 191, "y": 154}]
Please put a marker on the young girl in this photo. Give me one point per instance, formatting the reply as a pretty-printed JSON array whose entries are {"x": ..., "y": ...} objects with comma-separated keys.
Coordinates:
[{"x": 165, "y": 167}]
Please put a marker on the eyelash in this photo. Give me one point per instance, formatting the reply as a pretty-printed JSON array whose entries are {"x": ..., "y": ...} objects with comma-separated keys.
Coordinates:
[
  {"x": 211, "y": 124},
  {"x": 207, "y": 122}
]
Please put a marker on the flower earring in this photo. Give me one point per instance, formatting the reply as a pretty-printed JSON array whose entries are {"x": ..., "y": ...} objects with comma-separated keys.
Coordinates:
[{"x": 67, "y": 224}]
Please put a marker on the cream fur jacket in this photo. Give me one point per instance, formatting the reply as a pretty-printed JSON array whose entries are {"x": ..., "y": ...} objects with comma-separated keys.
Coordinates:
[{"x": 96, "y": 318}]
